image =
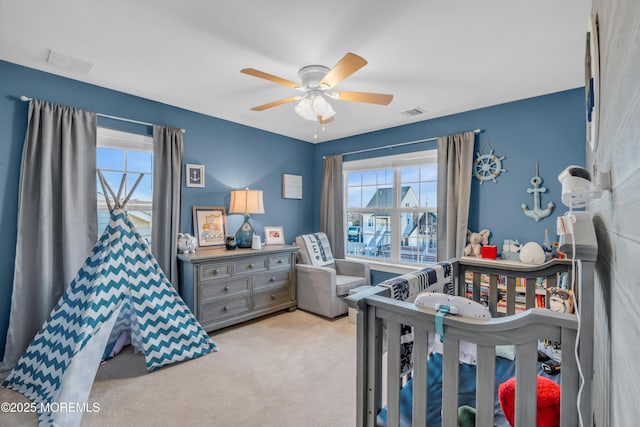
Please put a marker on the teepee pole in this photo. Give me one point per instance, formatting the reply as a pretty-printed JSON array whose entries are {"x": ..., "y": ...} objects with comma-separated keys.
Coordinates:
[
  {"x": 105, "y": 186},
  {"x": 133, "y": 189},
  {"x": 122, "y": 181}
]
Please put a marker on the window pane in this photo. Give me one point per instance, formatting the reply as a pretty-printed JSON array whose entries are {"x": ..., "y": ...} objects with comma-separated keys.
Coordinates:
[
  {"x": 139, "y": 161},
  {"x": 429, "y": 194},
  {"x": 418, "y": 237},
  {"x": 369, "y": 199},
  {"x": 144, "y": 190},
  {"x": 376, "y": 235},
  {"x": 385, "y": 176},
  {"x": 354, "y": 241},
  {"x": 354, "y": 197},
  {"x": 369, "y": 178},
  {"x": 354, "y": 178},
  {"x": 410, "y": 174},
  {"x": 409, "y": 196},
  {"x": 429, "y": 172},
  {"x": 109, "y": 158}
]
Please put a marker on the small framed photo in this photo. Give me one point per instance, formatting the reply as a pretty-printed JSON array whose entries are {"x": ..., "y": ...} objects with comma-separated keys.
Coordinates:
[
  {"x": 194, "y": 175},
  {"x": 209, "y": 225},
  {"x": 273, "y": 235}
]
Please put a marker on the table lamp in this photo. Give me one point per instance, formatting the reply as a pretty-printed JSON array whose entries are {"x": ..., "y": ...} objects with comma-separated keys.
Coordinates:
[{"x": 246, "y": 202}]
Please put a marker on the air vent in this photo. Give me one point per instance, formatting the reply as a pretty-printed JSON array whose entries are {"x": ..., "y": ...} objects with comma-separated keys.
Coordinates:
[
  {"x": 413, "y": 112},
  {"x": 73, "y": 65}
]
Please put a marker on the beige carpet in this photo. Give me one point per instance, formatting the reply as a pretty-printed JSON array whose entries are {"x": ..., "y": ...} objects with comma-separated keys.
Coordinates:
[{"x": 289, "y": 369}]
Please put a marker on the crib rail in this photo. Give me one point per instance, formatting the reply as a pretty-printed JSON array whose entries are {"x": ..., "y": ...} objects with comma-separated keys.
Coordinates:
[
  {"x": 523, "y": 330},
  {"x": 519, "y": 287}
]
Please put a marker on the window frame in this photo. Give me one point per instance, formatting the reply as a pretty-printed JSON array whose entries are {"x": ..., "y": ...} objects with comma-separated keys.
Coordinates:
[
  {"x": 128, "y": 141},
  {"x": 395, "y": 162}
]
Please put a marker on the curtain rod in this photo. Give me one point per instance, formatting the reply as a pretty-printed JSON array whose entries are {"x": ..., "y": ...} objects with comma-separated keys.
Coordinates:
[
  {"x": 107, "y": 116},
  {"x": 476, "y": 131}
]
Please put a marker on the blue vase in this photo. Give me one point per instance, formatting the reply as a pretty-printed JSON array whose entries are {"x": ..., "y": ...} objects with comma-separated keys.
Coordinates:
[{"x": 244, "y": 235}]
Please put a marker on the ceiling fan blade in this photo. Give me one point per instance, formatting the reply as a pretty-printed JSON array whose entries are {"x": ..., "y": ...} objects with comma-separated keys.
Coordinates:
[
  {"x": 372, "y": 98},
  {"x": 275, "y": 103},
  {"x": 270, "y": 77},
  {"x": 349, "y": 64}
]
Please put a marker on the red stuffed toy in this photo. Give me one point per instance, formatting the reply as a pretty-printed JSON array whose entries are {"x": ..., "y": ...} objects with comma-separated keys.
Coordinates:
[{"x": 548, "y": 414}]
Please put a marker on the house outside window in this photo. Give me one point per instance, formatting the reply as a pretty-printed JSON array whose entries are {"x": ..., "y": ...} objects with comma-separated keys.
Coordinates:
[
  {"x": 391, "y": 208},
  {"x": 120, "y": 152}
]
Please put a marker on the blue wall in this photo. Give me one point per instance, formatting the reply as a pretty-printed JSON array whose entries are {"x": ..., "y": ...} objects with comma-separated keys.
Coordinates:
[
  {"x": 234, "y": 156},
  {"x": 547, "y": 128},
  {"x": 550, "y": 129}
]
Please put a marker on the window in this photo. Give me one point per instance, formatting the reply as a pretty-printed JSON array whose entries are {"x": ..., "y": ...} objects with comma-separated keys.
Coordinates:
[
  {"x": 391, "y": 207},
  {"x": 119, "y": 152}
]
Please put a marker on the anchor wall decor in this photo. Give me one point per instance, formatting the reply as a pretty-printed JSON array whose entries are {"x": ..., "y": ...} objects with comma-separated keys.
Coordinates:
[{"x": 537, "y": 212}]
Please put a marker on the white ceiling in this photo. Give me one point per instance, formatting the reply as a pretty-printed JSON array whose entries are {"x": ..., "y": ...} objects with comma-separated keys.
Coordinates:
[{"x": 442, "y": 56}]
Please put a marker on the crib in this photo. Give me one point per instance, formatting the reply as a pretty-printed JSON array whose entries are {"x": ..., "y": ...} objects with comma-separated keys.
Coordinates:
[{"x": 378, "y": 374}]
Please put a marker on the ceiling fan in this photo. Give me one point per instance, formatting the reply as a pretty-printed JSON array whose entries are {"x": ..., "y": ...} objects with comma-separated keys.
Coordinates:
[{"x": 317, "y": 82}]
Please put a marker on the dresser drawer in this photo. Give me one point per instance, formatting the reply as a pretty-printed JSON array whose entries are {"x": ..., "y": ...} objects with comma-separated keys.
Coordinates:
[
  {"x": 280, "y": 261},
  {"x": 275, "y": 279},
  {"x": 250, "y": 265},
  {"x": 224, "y": 289},
  {"x": 218, "y": 270},
  {"x": 218, "y": 310},
  {"x": 266, "y": 299}
]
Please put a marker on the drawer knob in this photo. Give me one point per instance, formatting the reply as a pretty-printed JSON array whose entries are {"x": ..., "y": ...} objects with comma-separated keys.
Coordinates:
[
  {"x": 250, "y": 265},
  {"x": 215, "y": 271},
  {"x": 279, "y": 261},
  {"x": 226, "y": 308},
  {"x": 226, "y": 289},
  {"x": 273, "y": 296},
  {"x": 273, "y": 279}
]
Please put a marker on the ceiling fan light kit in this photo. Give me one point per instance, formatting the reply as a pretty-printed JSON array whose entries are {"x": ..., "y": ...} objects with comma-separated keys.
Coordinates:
[{"x": 316, "y": 81}]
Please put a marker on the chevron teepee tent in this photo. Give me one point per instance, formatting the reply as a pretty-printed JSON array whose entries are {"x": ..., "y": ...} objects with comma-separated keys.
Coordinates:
[{"x": 119, "y": 288}]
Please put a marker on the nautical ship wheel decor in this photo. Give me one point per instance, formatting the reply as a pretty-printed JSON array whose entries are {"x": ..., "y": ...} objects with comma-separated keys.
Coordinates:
[{"x": 487, "y": 165}]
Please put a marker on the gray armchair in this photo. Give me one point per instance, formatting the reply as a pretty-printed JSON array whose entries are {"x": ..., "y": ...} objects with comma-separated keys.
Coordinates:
[{"x": 323, "y": 281}]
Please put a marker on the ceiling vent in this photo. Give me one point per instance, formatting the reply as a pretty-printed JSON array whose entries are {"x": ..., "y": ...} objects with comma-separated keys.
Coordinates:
[
  {"x": 413, "y": 112},
  {"x": 68, "y": 63}
]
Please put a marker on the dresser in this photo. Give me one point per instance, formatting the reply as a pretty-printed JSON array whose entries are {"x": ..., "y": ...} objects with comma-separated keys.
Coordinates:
[{"x": 224, "y": 287}]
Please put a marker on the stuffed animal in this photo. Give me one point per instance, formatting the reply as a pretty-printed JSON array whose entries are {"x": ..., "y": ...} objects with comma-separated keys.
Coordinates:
[
  {"x": 532, "y": 253},
  {"x": 186, "y": 243},
  {"x": 476, "y": 240},
  {"x": 560, "y": 300},
  {"x": 547, "y": 404}
]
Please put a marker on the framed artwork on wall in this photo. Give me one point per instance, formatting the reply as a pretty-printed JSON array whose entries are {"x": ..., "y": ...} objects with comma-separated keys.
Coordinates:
[
  {"x": 291, "y": 186},
  {"x": 592, "y": 82},
  {"x": 194, "y": 175},
  {"x": 273, "y": 235},
  {"x": 209, "y": 225}
]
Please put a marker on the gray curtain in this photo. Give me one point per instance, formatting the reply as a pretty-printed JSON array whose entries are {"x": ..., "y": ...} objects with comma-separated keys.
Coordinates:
[
  {"x": 331, "y": 208},
  {"x": 455, "y": 164},
  {"x": 167, "y": 198},
  {"x": 57, "y": 218}
]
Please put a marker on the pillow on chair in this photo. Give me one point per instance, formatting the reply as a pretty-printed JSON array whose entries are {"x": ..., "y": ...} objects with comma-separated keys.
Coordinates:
[{"x": 314, "y": 250}]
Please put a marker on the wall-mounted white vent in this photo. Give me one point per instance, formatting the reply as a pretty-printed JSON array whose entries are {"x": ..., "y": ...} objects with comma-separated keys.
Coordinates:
[
  {"x": 69, "y": 63},
  {"x": 413, "y": 112}
]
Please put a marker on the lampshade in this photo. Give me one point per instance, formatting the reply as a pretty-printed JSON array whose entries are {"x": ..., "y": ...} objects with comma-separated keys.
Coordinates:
[
  {"x": 246, "y": 202},
  {"x": 313, "y": 106}
]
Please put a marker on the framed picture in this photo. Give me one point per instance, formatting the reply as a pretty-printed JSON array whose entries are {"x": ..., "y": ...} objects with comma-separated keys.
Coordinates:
[
  {"x": 209, "y": 225},
  {"x": 273, "y": 235},
  {"x": 291, "y": 186},
  {"x": 194, "y": 175},
  {"x": 592, "y": 82}
]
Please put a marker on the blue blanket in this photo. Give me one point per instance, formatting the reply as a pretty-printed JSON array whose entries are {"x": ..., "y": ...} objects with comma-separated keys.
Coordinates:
[{"x": 505, "y": 369}]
